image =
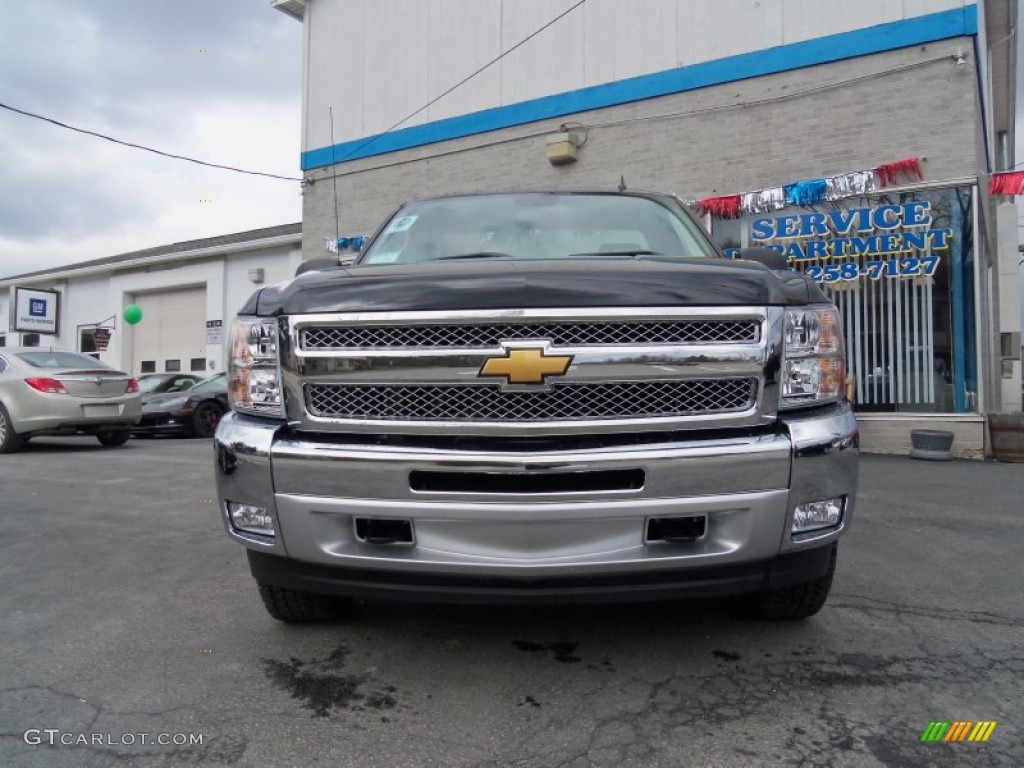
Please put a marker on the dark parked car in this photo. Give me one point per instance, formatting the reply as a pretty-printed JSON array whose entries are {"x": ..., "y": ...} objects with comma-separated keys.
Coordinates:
[
  {"x": 194, "y": 412},
  {"x": 159, "y": 383}
]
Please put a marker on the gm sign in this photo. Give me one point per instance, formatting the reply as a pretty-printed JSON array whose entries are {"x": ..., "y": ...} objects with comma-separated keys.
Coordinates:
[{"x": 36, "y": 310}]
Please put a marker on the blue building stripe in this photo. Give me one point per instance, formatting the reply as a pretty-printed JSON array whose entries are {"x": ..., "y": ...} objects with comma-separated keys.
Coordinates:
[{"x": 783, "y": 58}]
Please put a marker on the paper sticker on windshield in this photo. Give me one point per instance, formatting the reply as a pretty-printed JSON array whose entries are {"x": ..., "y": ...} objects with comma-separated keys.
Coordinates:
[
  {"x": 384, "y": 257},
  {"x": 401, "y": 224}
]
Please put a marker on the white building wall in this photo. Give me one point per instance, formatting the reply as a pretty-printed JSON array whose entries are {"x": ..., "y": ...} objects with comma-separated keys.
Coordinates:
[
  {"x": 374, "y": 61},
  {"x": 84, "y": 302},
  {"x": 121, "y": 288},
  {"x": 93, "y": 298},
  {"x": 278, "y": 265}
]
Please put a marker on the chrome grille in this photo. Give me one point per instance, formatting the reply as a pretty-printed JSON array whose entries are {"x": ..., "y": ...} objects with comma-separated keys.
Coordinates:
[
  {"x": 564, "y": 402},
  {"x": 486, "y": 335}
]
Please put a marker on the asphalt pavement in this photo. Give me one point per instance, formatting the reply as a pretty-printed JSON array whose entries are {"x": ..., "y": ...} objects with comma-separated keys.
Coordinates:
[{"x": 127, "y": 616}]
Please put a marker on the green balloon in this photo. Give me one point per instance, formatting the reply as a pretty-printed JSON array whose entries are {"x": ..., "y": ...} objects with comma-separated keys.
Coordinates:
[{"x": 132, "y": 314}]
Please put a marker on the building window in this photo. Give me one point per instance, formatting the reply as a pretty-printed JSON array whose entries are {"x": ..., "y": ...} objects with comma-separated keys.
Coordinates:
[
  {"x": 172, "y": 366},
  {"x": 900, "y": 268},
  {"x": 30, "y": 339},
  {"x": 87, "y": 340},
  {"x": 148, "y": 366},
  {"x": 3, "y": 340},
  {"x": 197, "y": 364}
]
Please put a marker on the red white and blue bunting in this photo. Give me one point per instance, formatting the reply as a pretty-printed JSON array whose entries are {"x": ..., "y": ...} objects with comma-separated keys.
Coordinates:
[{"x": 810, "y": 191}]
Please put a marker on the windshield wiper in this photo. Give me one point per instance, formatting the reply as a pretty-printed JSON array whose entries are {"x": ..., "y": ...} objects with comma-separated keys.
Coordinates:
[
  {"x": 616, "y": 253},
  {"x": 480, "y": 255}
]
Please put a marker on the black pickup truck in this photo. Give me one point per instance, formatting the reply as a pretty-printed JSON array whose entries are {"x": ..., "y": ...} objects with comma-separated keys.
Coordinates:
[{"x": 541, "y": 396}]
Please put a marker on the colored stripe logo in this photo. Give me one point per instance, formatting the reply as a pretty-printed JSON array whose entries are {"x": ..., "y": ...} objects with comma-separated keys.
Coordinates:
[{"x": 958, "y": 730}]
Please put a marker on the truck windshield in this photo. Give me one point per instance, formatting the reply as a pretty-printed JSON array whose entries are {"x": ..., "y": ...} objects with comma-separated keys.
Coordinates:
[{"x": 541, "y": 225}]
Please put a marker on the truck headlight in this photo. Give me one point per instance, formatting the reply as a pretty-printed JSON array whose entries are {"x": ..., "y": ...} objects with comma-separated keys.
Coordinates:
[
  {"x": 254, "y": 376},
  {"x": 813, "y": 368}
]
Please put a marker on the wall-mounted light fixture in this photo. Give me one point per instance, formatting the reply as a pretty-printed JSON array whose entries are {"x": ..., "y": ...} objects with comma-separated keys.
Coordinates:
[
  {"x": 256, "y": 275},
  {"x": 959, "y": 57},
  {"x": 561, "y": 148}
]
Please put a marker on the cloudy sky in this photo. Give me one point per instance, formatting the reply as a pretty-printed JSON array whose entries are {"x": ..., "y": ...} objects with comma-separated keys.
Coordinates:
[{"x": 218, "y": 80}]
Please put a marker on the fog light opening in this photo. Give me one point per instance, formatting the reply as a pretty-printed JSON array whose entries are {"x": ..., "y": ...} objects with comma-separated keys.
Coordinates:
[
  {"x": 248, "y": 518},
  {"x": 675, "y": 530},
  {"x": 375, "y": 530},
  {"x": 818, "y": 515}
]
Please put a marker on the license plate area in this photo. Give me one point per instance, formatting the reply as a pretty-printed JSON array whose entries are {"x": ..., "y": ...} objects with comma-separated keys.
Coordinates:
[{"x": 100, "y": 411}]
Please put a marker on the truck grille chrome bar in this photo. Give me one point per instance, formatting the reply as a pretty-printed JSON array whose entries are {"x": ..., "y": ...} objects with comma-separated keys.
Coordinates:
[
  {"x": 486, "y": 335},
  {"x": 563, "y": 402},
  {"x": 437, "y": 372}
]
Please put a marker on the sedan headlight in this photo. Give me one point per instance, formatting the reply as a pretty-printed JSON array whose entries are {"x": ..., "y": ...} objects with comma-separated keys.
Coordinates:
[
  {"x": 254, "y": 376},
  {"x": 813, "y": 369}
]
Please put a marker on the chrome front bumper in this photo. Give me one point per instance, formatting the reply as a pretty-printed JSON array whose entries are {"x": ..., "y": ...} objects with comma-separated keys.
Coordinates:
[{"x": 745, "y": 487}]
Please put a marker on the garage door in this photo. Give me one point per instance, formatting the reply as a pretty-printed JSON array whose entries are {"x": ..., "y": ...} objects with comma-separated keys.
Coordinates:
[{"x": 171, "y": 337}]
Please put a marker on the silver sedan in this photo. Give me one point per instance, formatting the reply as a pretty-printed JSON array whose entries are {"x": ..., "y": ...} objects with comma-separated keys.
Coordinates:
[{"x": 53, "y": 392}]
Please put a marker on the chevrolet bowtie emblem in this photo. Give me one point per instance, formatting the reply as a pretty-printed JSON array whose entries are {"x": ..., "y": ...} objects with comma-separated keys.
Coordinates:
[{"x": 526, "y": 366}]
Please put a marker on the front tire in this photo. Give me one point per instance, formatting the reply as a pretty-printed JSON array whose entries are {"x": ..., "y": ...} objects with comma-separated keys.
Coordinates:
[
  {"x": 114, "y": 439},
  {"x": 799, "y": 601},
  {"x": 294, "y": 607},
  {"x": 10, "y": 441},
  {"x": 205, "y": 420}
]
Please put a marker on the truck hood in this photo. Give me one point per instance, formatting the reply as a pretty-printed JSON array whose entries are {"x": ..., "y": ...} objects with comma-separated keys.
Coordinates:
[{"x": 534, "y": 284}]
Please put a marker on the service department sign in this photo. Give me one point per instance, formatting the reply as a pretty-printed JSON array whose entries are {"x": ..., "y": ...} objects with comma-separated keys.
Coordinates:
[{"x": 35, "y": 310}]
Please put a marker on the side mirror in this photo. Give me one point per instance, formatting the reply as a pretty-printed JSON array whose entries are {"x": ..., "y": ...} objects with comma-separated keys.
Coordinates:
[
  {"x": 315, "y": 265},
  {"x": 767, "y": 256}
]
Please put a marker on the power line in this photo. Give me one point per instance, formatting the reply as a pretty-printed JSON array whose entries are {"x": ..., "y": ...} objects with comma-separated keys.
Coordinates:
[
  {"x": 145, "y": 149},
  {"x": 369, "y": 141},
  {"x": 461, "y": 82}
]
